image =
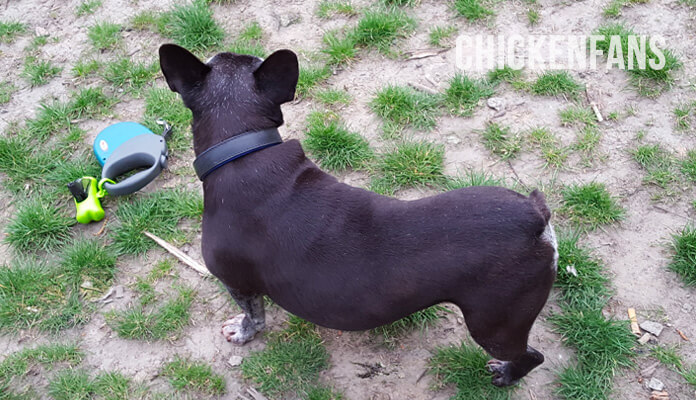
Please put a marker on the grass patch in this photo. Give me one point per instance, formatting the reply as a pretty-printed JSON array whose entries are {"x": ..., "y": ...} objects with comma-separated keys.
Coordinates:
[
  {"x": 165, "y": 104},
  {"x": 130, "y": 75},
  {"x": 291, "y": 361},
  {"x": 440, "y": 33},
  {"x": 379, "y": 29},
  {"x": 464, "y": 94},
  {"x": 553, "y": 154},
  {"x": 193, "y": 27},
  {"x": 402, "y": 106},
  {"x": 309, "y": 77},
  {"x": 683, "y": 113},
  {"x": 19, "y": 363},
  {"x": 333, "y": 145},
  {"x": 158, "y": 213},
  {"x": 504, "y": 73},
  {"x": 330, "y": 8},
  {"x": 577, "y": 116},
  {"x": 249, "y": 42},
  {"x": 670, "y": 358},
  {"x": 464, "y": 367},
  {"x": 472, "y": 10},
  {"x": 556, "y": 83},
  {"x": 10, "y": 30},
  {"x": 90, "y": 103},
  {"x": 590, "y": 205},
  {"x": 22, "y": 163},
  {"x": 658, "y": 163},
  {"x": 38, "y": 225},
  {"x": 409, "y": 164},
  {"x": 71, "y": 384},
  {"x": 332, "y": 97},
  {"x": 420, "y": 320},
  {"x": 684, "y": 258},
  {"x": 194, "y": 375},
  {"x": 472, "y": 178},
  {"x": 160, "y": 323},
  {"x": 88, "y": 266},
  {"x": 84, "y": 68},
  {"x": 87, "y": 7},
  {"x": 339, "y": 49},
  {"x": 500, "y": 141},
  {"x": 688, "y": 165},
  {"x": 39, "y": 72},
  {"x": 580, "y": 276},
  {"x": 104, "y": 35},
  {"x": 649, "y": 81},
  {"x": 6, "y": 91}
]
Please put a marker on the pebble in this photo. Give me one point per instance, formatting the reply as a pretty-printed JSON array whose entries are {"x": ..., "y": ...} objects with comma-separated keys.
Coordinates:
[
  {"x": 289, "y": 19},
  {"x": 653, "y": 327},
  {"x": 495, "y": 103},
  {"x": 644, "y": 339},
  {"x": 687, "y": 307},
  {"x": 235, "y": 361},
  {"x": 656, "y": 384}
]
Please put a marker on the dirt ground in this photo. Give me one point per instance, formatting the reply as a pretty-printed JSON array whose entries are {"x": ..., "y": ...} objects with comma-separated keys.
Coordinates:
[{"x": 635, "y": 251}]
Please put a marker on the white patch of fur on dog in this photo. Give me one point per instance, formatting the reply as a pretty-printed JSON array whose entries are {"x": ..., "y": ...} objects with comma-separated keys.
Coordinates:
[{"x": 549, "y": 236}]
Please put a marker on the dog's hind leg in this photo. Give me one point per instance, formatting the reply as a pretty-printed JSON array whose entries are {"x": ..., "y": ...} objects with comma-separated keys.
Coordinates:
[{"x": 243, "y": 327}]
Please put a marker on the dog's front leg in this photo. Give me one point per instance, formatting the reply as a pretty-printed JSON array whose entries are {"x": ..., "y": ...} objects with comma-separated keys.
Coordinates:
[{"x": 242, "y": 328}]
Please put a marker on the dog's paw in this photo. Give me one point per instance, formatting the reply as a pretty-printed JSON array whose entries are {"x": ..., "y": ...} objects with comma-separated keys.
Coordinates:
[
  {"x": 237, "y": 330},
  {"x": 501, "y": 373}
]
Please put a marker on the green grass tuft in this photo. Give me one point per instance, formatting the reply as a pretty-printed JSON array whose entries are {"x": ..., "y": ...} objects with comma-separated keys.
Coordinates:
[
  {"x": 332, "y": 97},
  {"x": 38, "y": 225},
  {"x": 193, "y": 27},
  {"x": 90, "y": 103},
  {"x": 291, "y": 361},
  {"x": 580, "y": 276},
  {"x": 409, "y": 164},
  {"x": 649, "y": 81},
  {"x": 194, "y": 375},
  {"x": 158, "y": 213},
  {"x": 577, "y": 116},
  {"x": 379, "y": 29},
  {"x": 472, "y": 178},
  {"x": 440, "y": 33},
  {"x": 165, "y": 104},
  {"x": 88, "y": 266},
  {"x": 504, "y": 74},
  {"x": 6, "y": 91},
  {"x": 39, "y": 72},
  {"x": 684, "y": 258},
  {"x": 330, "y": 8},
  {"x": 464, "y": 94},
  {"x": 556, "y": 83},
  {"x": 71, "y": 384},
  {"x": 19, "y": 363},
  {"x": 464, "y": 367},
  {"x": 87, "y": 7},
  {"x": 420, "y": 320},
  {"x": 339, "y": 49},
  {"x": 249, "y": 41},
  {"x": 688, "y": 165},
  {"x": 333, "y": 145},
  {"x": 130, "y": 75},
  {"x": 309, "y": 78},
  {"x": 10, "y": 30},
  {"x": 104, "y": 35},
  {"x": 658, "y": 163},
  {"x": 500, "y": 141},
  {"x": 402, "y": 106},
  {"x": 554, "y": 155},
  {"x": 472, "y": 10},
  {"x": 591, "y": 205},
  {"x": 164, "y": 322}
]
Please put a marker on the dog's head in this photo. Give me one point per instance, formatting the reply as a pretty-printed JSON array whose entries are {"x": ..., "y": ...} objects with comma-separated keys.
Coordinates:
[{"x": 231, "y": 93}]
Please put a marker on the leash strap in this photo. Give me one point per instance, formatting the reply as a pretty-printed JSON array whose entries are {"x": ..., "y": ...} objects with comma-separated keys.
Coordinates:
[{"x": 234, "y": 148}]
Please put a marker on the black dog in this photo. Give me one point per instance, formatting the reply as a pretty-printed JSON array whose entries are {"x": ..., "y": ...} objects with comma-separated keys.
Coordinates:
[{"x": 344, "y": 257}]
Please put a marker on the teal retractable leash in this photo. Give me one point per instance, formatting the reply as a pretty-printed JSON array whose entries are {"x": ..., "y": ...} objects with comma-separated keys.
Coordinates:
[{"x": 121, "y": 149}]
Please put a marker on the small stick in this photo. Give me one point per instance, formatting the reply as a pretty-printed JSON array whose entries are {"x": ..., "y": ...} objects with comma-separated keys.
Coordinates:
[
  {"x": 102, "y": 227},
  {"x": 183, "y": 257},
  {"x": 634, "y": 321},
  {"x": 683, "y": 336},
  {"x": 423, "y": 88},
  {"x": 596, "y": 112}
]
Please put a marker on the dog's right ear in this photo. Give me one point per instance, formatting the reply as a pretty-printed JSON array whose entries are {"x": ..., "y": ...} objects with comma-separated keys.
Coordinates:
[{"x": 181, "y": 69}]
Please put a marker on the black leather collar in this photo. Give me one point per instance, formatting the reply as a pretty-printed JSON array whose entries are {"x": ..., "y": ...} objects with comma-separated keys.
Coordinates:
[{"x": 234, "y": 148}]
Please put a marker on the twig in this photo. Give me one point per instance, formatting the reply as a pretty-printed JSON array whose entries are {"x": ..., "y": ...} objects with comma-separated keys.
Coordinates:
[
  {"x": 425, "y": 54},
  {"x": 423, "y": 88},
  {"x": 101, "y": 230},
  {"x": 594, "y": 106},
  {"x": 517, "y": 176},
  {"x": 683, "y": 336},
  {"x": 201, "y": 269}
]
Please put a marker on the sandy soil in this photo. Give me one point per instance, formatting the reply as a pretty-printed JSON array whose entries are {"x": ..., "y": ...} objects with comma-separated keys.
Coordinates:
[{"x": 635, "y": 251}]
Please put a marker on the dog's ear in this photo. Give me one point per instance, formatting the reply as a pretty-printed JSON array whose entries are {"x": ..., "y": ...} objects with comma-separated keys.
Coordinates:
[
  {"x": 181, "y": 69},
  {"x": 277, "y": 76}
]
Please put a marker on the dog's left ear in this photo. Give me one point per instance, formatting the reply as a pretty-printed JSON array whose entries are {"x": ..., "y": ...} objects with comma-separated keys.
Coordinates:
[
  {"x": 277, "y": 76},
  {"x": 181, "y": 69}
]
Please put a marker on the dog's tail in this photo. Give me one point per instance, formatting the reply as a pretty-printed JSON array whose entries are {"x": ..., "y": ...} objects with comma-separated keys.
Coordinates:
[{"x": 548, "y": 235}]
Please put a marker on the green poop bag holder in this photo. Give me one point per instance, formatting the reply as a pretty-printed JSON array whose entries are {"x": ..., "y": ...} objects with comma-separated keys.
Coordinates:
[{"x": 124, "y": 148}]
